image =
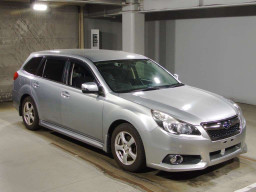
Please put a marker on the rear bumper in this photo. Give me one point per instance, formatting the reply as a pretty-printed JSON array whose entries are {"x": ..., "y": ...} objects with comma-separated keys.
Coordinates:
[
  {"x": 15, "y": 100},
  {"x": 210, "y": 152}
]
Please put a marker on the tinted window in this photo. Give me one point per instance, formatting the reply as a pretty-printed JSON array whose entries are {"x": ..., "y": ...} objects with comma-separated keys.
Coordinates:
[
  {"x": 54, "y": 69},
  {"x": 32, "y": 65},
  {"x": 79, "y": 74},
  {"x": 40, "y": 70}
]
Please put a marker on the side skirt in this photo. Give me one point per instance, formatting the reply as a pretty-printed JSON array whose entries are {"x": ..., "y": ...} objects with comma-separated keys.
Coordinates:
[{"x": 72, "y": 134}]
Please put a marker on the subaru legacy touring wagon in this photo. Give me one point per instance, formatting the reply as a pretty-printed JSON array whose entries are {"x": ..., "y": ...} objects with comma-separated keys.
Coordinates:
[{"x": 129, "y": 105}]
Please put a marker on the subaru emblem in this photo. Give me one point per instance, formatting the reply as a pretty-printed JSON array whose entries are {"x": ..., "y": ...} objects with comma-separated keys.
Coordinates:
[{"x": 226, "y": 124}]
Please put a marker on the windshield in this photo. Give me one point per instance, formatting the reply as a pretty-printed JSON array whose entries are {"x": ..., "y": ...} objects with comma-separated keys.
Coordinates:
[{"x": 135, "y": 75}]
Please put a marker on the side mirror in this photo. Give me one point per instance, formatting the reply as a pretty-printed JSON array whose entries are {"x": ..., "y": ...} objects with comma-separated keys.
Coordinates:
[
  {"x": 176, "y": 76},
  {"x": 90, "y": 87}
]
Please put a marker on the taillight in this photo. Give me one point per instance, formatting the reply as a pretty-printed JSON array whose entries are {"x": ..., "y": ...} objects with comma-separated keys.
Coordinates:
[{"x": 15, "y": 76}]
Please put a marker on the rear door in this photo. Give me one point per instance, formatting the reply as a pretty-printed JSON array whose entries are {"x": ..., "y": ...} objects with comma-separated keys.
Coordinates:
[{"x": 48, "y": 88}]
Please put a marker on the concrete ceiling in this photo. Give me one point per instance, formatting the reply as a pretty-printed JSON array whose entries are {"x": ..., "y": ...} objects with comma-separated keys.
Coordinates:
[
  {"x": 103, "y": 2},
  {"x": 106, "y": 2},
  {"x": 20, "y": 1}
]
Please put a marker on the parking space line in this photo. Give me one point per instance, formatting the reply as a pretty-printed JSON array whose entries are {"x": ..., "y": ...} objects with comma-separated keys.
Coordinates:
[
  {"x": 248, "y": 158},
  {"x": 250, "y": 188}
]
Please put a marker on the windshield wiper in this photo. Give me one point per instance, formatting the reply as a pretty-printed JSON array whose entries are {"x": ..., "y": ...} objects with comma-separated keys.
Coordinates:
[
  {"x": 153, "y": 88},
  {"x": 176, "y": 85},
  {"x": 161, "y": 87},
  {"x": 150, "y": 88}
]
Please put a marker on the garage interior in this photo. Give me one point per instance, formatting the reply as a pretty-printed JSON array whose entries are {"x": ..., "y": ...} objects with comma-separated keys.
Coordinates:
[{"x": 210, "y": 44}]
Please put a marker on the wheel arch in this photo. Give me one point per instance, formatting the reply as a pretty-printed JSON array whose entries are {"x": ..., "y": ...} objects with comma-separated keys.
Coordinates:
[
  {"x": 25, "y": 95},
  {"x": 21, "y": 101},
  {"x": 110, "y": 132},
  {"x": 140, "y": 120}
]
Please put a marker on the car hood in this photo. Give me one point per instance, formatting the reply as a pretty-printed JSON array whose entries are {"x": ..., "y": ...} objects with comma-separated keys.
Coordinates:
[{"x": 185, "y": 103}]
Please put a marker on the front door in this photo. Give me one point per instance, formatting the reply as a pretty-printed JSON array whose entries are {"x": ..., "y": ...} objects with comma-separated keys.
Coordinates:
[{"x": 81, "y": 112}]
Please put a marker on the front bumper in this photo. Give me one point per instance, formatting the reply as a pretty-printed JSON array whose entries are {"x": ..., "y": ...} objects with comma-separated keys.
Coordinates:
[{"x": 211, "y": 152}]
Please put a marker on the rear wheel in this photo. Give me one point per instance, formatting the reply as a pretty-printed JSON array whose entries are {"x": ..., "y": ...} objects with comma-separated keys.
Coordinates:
[
  {"x": 127, "y": 148},
  {"x": 29, "y": 114}
]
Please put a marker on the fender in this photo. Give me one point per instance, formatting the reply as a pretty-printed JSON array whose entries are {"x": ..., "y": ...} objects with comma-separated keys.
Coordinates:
[
  {"x": 27, "y": 90},
  {"x": 139, "y": 116}
]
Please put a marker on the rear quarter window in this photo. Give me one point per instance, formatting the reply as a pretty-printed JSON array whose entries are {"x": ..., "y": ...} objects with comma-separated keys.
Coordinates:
[{"x": 32, "y": 65}]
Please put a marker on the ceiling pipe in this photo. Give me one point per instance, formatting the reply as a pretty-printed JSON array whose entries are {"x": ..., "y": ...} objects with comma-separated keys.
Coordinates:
[{"x": 201, "y": 6}]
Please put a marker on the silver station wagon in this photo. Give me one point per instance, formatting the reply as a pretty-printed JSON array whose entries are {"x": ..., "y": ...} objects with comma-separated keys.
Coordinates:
[{"x": 129, "y": 105}]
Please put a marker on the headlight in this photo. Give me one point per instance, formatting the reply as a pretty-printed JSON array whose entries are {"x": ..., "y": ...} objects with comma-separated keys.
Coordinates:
[
  {"x": 240, "y": 115},
  {"x": 172, "y": 125}
]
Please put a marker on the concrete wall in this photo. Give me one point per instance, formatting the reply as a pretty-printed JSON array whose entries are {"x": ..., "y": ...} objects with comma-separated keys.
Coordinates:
[
  {"x": 111, "y": 33},
  {"x": 160, "y": 42},
  {"x": 23, "y": 31},
  {"x": 216, "y": 54}
]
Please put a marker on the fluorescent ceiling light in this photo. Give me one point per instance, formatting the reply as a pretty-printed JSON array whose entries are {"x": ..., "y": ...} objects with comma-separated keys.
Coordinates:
[{"x": 40, "y": 7}]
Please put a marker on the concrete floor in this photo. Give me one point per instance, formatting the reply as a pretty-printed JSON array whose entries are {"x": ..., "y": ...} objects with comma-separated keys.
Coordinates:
[
  {"x": 30, "y": 162},
  {"x": 47, "y": 161}
]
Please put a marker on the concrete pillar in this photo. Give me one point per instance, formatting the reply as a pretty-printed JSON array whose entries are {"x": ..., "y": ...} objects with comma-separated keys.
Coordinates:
[
  {"x": 133, "y": 28},
  {"x": 81, "y": 27}
]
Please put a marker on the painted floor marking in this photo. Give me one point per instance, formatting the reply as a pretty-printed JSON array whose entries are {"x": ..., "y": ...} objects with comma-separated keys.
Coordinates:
[{"x": 251, "y": 188}]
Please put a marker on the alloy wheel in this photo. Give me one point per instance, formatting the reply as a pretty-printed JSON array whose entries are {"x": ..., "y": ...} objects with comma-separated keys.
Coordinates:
[
  {"x": 125, "y": 148},
  {"x": 29, "y": 113}
]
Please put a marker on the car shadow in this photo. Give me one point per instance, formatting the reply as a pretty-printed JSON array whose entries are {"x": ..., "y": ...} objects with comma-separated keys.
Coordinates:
[
  {"x": 178, "y": 176},
  {"x": 160, "y": 180},
  {"x": 202, "y": 177},
  {"x": 77, "y": 142}
]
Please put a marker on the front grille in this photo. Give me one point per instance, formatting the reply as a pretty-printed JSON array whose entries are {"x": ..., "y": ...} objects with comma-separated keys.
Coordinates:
[
  {"x": 223, "y": 133},
  {"x": 222, "y": 129}
]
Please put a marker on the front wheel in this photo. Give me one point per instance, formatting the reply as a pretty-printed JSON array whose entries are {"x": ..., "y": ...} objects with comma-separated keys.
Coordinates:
[
  {"x": 29, "y": 114},
  {"x": 127, "y": 148}
]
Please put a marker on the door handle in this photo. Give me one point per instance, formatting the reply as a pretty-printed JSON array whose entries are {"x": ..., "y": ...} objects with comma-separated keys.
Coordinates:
[
  {"x": 35, "y": 84},
  {"x": 65, "y": 94}
]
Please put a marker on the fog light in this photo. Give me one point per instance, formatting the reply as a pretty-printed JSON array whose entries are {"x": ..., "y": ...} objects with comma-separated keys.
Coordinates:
[{"x": 176, "y": 159}]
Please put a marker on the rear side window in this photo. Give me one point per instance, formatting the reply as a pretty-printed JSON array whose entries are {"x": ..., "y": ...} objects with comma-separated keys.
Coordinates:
[
  {"x": 54, "y": 69},
  {"x": 40, "y": 70},
  {"x": 32, "y": 65}
]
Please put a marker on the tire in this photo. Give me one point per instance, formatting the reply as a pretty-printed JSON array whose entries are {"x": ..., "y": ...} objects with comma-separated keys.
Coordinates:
[
  {"x": 129, "y": 155},
  {"x": 30, "y": 114}
]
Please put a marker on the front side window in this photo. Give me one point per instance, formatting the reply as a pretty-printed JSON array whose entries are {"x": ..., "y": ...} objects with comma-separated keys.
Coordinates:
[
  {"x": 53, "y": 69},
  {"x": 32, "y": 65},
  {"x": 135, "y": 75},
  {"x": 79, "y": 74}
]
